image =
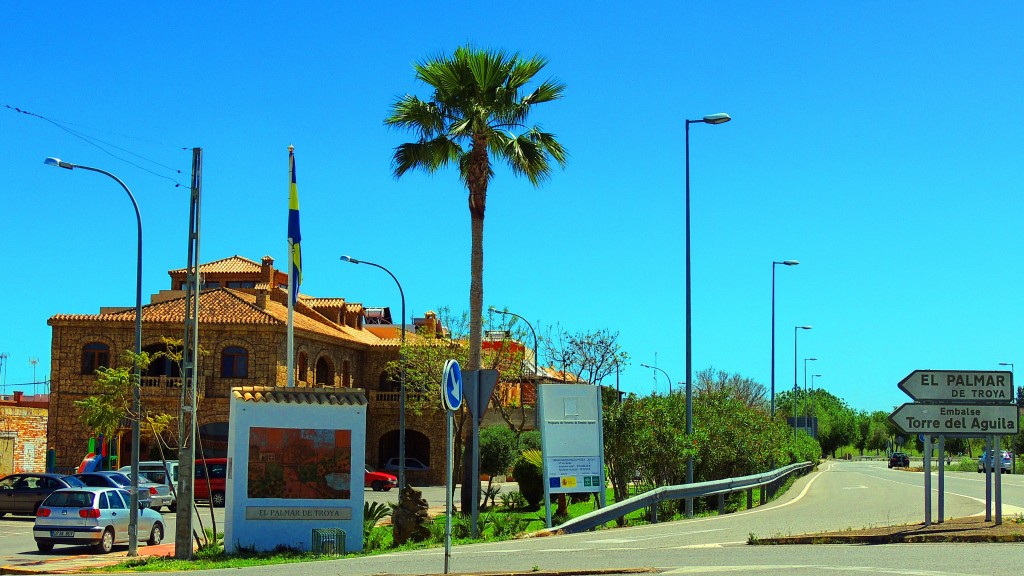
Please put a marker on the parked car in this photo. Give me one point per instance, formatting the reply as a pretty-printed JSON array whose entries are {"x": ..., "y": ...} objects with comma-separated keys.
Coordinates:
[
  {"x": 23, "y": 493},
  {"x": 216, "y": 470},
  {"x": 985, "y": 461},
  {"x": 95, "y": 516},
  {"x": 157, "y": 472},
  {"x": 157, "y": 495},
  {"x": 410, "y": 464},
  {"x": 899, "y": 460},
  {"x": 379, "y": 481}
]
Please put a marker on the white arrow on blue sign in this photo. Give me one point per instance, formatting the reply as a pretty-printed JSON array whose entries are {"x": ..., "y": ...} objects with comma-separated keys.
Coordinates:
[{"x": 451, "y": 386}]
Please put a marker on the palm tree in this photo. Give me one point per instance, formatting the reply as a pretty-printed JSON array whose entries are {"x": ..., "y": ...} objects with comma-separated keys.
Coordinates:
[{"x": 477, "y": 103}]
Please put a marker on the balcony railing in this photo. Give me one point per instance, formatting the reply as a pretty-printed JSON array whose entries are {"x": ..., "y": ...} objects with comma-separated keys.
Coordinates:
[
  {"x": 169, "y": 382},
  {"x": 393, "y": 397}
]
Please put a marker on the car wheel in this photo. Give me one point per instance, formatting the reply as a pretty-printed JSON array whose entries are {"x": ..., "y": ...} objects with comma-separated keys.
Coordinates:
[
  {"x": 44, "y": 546},
  {"x": 106, "y": 543},
  {"x": 377, "y": 485},
  {"x": 156, "y": 535},
  {"x": 173, "y": 507},
  {"x": 217, "y": 499}
]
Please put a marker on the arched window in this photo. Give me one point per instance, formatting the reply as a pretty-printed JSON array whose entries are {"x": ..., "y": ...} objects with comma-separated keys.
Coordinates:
[
  {"x": 161, "y": 364},
  {"x": 95, "y": 355},
  {"x": 388, "y": 383},
  {"x": 323, "y": 373},
  {"x": 301, "y": 374},
  {"x": 234, "y": 362}
]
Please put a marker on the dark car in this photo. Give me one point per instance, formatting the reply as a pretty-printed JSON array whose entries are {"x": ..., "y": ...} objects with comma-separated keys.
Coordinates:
[
  {"x": 899, "y": 460},
  {"x": 23, "y": 493},
  {"x": 156, "y": 494}
]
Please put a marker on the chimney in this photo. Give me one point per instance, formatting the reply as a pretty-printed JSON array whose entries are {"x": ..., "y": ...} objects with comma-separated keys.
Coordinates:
[
  {"x": 267, "y": 271},
  {"x": 17, "y": 396},
  {"x": 431, "y": 322}
]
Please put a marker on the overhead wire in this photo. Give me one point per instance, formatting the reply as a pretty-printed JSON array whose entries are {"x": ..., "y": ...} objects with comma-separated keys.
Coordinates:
[{"x": 93, "y": 142}]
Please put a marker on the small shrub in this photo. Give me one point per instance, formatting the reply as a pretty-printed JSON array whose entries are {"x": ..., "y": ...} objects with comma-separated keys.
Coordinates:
[
  {"x": 513, "y": 501},
  {"x": 490, "y": 493},
  {"x": 507, "y": 525},
  {"x": 530, "y": 478},
  {"x": 373, "y": 512}
]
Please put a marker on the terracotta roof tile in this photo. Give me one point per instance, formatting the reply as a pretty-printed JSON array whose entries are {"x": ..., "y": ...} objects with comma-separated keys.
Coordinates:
[
  {"x": 322, "y": 302},
  {"x": 299, "y": 395},
  {"x": 227, "y": 306},
  {"x": 230, "y": 265}
]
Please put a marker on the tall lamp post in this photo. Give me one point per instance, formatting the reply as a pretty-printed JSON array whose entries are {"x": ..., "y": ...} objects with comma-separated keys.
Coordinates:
[
  {"x": 774, "y": 264},
  {"x": 720, "y": 118},
  {"x": 796, "y": 388},
  {"x": 813, "y": 376},
  {"x": 401, "y": 382},
  {"x": 133, "y": 510},
  {"x": 663, "y": 372},
  {"x": 805, "y": 386}
]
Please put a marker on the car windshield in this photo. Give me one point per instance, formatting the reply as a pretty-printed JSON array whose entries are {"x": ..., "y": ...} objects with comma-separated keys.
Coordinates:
[
  {"x": 121, "y": 479},
  {"x": 69, "y": 499},
  {"x": 74, "y": 482}
]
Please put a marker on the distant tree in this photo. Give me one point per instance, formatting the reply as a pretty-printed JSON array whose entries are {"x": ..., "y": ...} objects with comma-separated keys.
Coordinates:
[
  {"x": 746, "y": 390},
  {"x": 584, "y": 356}
]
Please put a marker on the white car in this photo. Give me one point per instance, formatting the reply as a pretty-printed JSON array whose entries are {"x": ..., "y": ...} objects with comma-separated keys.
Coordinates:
[
  {"x": 410, "y": 464},
  {"x": 95, "y": 516},
  {"x": 986, "y": 462}
]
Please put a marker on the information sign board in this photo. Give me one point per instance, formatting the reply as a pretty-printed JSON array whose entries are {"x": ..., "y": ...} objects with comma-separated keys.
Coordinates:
[
  {"x": 956, "y": 419},
  {"x": 960, "y": 386}
]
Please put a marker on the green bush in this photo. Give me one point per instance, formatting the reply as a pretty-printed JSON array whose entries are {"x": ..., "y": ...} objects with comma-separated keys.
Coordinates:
[{"x": 530, "y": 478}]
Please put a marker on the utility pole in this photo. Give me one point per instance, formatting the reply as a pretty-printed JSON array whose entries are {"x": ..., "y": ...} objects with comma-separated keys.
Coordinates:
[
  {"x": 3, "y": 372},
  {"x": 189, "y": 367}
]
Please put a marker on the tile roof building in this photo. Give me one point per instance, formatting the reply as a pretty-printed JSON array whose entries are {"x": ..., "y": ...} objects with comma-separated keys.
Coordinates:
[{"x": 242, "y": 329}]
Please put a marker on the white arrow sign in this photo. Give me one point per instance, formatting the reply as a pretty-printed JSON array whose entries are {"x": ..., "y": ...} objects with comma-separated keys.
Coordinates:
[
  {"x": 967, "y": 386},
  {"x": 451, "y": 386},
  {"x": 958, "y": 419}
]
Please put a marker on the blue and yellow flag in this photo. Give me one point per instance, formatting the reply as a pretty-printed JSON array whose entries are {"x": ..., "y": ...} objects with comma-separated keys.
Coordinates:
[{"x": 294, "y": 237}]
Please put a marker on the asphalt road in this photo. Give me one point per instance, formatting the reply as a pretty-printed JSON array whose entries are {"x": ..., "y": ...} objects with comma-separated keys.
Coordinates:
[{"x": 840, "y": 495}]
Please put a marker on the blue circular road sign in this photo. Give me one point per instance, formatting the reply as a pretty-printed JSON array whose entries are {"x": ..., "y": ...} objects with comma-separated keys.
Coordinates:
[{"x": 451, "y": 386}]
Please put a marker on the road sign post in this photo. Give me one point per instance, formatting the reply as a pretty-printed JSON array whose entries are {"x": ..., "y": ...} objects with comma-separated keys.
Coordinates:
[
  {"x": 959, "y": 403},
  {"x": 451, "y": 398}
]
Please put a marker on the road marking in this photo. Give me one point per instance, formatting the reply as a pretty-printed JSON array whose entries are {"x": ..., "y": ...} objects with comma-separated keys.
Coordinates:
[
  {"x": 861, "y": 487},
  {"x": 810, "y": 568}
]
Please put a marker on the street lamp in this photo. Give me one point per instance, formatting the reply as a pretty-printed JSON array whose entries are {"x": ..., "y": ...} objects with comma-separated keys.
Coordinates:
[
  {"x": 1010, "y": 364},
  {"x": 663, "y": 372},
  {"x": 536, "y": 353},
  {"x": 813, "y": 376},
  {"x": 795, "y": 387},
  {"x": 133, "y": 509},
  {"x": 719, "y": 118},
  {"x": 805, "y": 385},
  {"x": 401, "y": 383},
  {"x": 774, "y": 264}
]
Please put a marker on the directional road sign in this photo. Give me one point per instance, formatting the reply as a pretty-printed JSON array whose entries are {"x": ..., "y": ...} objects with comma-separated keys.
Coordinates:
[
  {"x": 966, "y": 386},
  {"x": 956, "y": 419},
  {"x": 451, "y": 386}
]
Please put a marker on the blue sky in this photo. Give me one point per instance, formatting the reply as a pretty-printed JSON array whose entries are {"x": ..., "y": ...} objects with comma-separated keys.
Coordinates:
[{"x": 877, "y": 143}]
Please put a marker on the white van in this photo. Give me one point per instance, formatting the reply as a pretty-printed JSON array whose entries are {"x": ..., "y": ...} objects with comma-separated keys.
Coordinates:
[{"x": 157, "y": 472}]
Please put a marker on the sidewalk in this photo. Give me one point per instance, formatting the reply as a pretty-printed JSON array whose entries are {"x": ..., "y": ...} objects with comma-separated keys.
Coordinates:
[{"x": 73, "y": 564}]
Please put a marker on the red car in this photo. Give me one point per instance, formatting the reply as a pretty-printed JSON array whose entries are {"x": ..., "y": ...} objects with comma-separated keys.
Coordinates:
[{"x": 379, "y": 481}]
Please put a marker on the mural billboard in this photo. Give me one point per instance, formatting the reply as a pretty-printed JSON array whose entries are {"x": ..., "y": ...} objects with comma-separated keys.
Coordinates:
[{"x": 300, "y": 463}]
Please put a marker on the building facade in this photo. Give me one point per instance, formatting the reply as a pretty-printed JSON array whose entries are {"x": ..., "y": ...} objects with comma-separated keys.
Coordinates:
[{"x": 243, "y": 338}]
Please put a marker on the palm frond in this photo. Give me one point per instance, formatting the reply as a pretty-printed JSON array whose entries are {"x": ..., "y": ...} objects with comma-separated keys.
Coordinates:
[
  {"x": 428, "y": 155},
  {"x": 411, "y": 113},
  {"x": 530, "y": 153}
]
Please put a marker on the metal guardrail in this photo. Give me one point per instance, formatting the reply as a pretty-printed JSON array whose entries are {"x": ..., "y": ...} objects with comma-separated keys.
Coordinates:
[{"x": 679, "y": 492}]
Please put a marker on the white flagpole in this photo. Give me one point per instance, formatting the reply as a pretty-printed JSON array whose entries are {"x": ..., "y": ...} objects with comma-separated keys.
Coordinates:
[{"x": 291, "y": 318}]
